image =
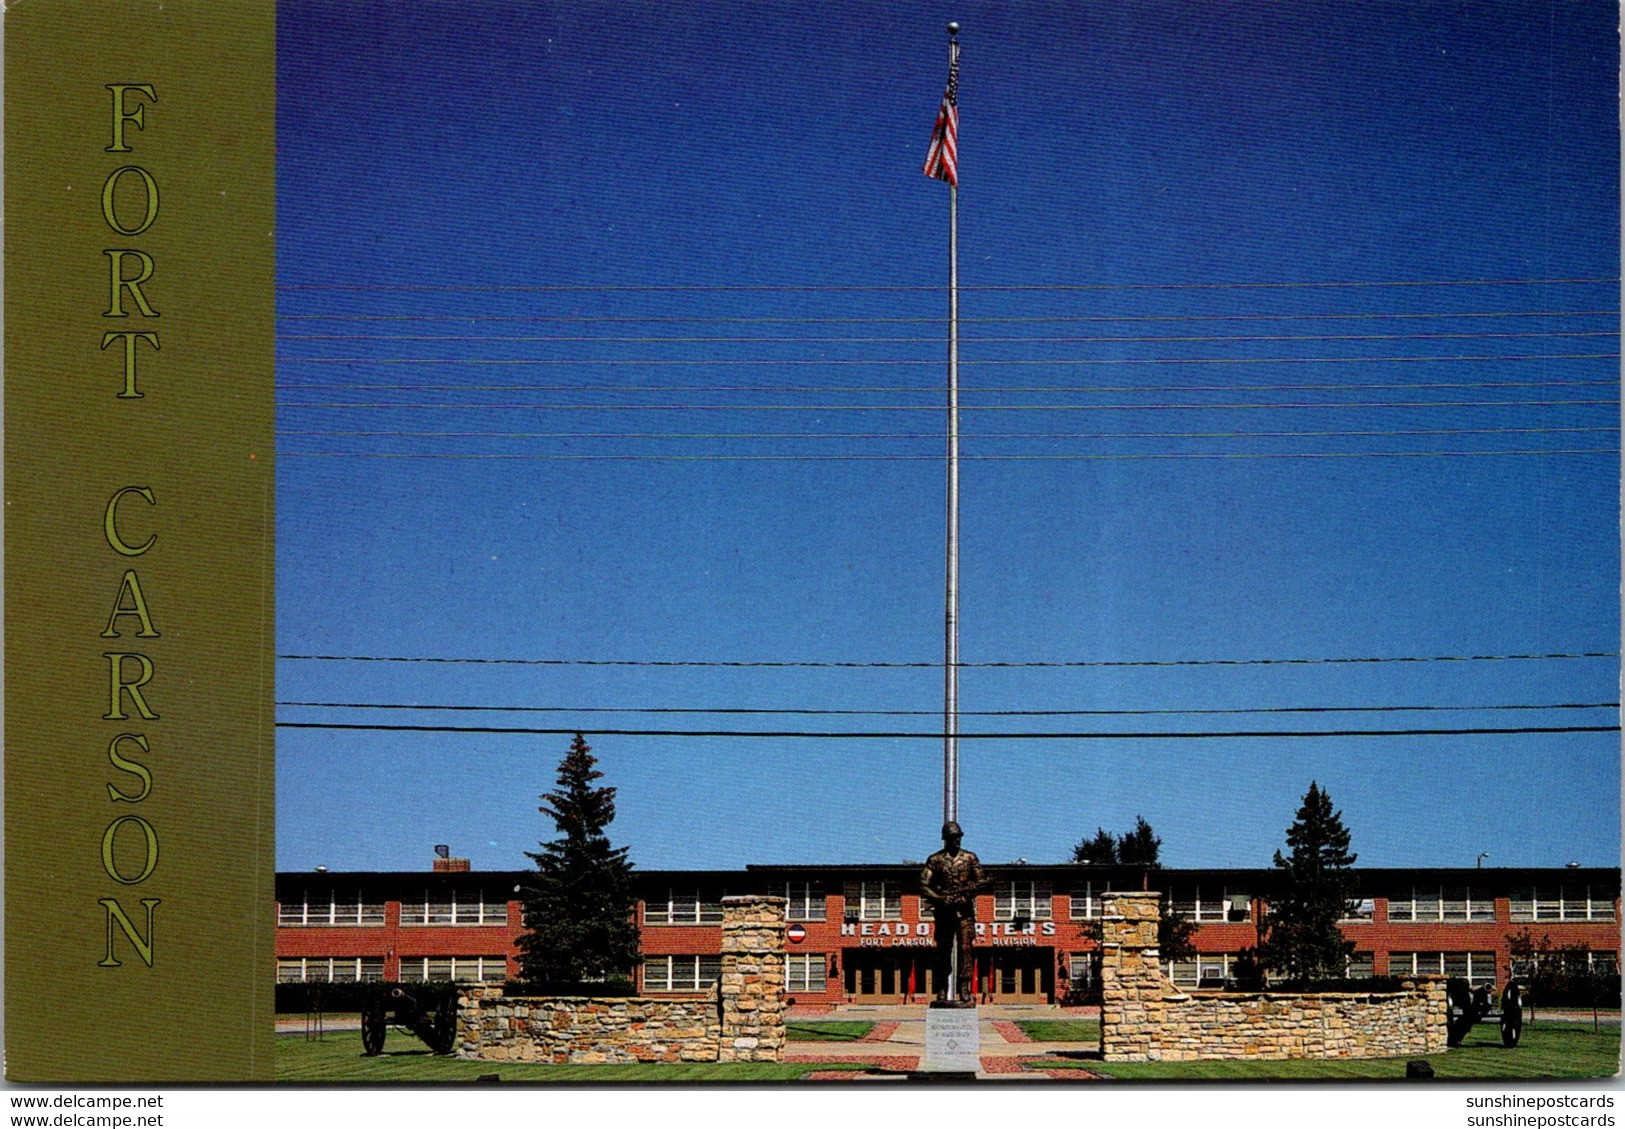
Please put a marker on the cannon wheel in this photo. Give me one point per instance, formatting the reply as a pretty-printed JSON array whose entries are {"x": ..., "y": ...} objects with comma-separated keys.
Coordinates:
[
  {"x": 1460, "y": 1015},
  {"x": 373, "y": 1029},
  {"x": 1511, "y": 1015},
  {"x": 445, "y": 1024}
]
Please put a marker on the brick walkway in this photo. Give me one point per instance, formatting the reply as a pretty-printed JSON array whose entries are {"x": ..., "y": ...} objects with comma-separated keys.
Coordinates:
[
  {"x": 1011, "y": 1032},
  {"x": 896, "y": 1043}
]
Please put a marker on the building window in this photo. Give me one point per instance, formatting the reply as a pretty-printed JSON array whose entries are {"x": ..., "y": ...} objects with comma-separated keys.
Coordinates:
[
  {"x": 330, "y": 908},
  {"x": 804, "y": 972},
  {"x": 1524, "y": 969},
  {"x": 1019, "y": 898},
  {"x": 1206, "y": 968},
  {"x": 1083, "y": 971},
  {"x": 1449, "y": 904},
  {"x": 874, "y": 901},
  {"x": 294, "y": 970},
  {"x": 1363, "y": 909},
  {"x": 432, "y": 969},
  {"x": 806, "y": 901},
  {"x": 1564, "y": 903},
  {"x": 1361, "y": 966},
  {"x": 681, "y": 973},
  {"x": 1475, "y": 968},
  {"x": 1212, "y": 905},
  {"x": 683, "y": 907},
  {"x": 467, "y": 908},
  {"x": 1086, "y": 900}
]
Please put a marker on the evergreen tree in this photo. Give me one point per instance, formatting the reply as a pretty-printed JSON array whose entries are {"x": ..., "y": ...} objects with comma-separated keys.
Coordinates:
[
  {"x": 1316, "y": 890},
  {"x": 1099, "y": 851},
  {"x": 1142, "y": 847},
  {"x": 1139, "y": 847},
  {"x": 579, "y": 906}
]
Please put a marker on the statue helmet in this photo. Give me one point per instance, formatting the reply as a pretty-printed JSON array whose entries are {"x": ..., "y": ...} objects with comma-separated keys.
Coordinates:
[{"x": 951, "y": 828}]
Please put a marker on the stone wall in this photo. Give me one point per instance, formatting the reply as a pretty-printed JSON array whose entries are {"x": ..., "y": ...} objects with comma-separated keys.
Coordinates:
[
  {"x": 1144, "y": 1018},
  {"x": 742, "y": 1021}
]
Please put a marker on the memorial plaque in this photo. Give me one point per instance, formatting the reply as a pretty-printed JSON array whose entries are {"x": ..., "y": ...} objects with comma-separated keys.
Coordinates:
[{"x": 953, "y": 1041}]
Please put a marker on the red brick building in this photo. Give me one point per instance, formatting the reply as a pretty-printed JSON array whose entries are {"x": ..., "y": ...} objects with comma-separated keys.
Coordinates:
[{"x": 858, "y": 933}]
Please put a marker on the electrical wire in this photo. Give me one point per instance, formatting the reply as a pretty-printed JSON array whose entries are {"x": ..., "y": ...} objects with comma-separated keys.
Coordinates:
[
  {"x": 962, "y": 665},
  {"x": 937, "y": 436},
  {"x": 768, "y": 320},
  {"x": 1017, "y": 288},
  {"x": 651, "y": 361},
  {"x": 1089, "y": 340},
  {"x": 938, "y": 712},
  {"x": 648, "y": 458},
  {"x": 905, "y": 735},
  {"x": 1302, "y": 405},
  {"x": 935, "y": 390}
]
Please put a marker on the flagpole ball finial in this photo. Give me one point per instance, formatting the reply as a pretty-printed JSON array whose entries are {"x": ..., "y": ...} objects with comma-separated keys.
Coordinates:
[{"x": 953, "y": 27}]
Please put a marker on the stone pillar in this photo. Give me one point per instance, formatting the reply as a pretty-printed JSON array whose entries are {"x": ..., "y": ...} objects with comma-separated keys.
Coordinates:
[
  {"x": 470, "y": 1015},
  {"x": 1133, "y": 989},
  {"x": 752, "y": 985}
]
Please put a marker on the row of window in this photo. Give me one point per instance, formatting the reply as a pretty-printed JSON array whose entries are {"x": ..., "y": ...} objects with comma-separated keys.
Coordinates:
[
  {"x": 681, "y": 973},
  {"x": 1019, "y": 898},
  {"x": 472, "y": 911},
  {"x": 1564, "y": 903},
  {"x": 803, "y": 972},
  {"x": 1214, "y": 969},
  {"x": 330, "y": 909},
  {"x": 806, "y": 972},
  {"x": 1012, "y": 900},
  {"x": 293, "y": 970},
  {"x": 1477, "y": 968}
]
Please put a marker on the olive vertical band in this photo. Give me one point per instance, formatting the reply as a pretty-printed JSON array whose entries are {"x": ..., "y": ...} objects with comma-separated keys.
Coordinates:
[{"x": 139, "y": 491}]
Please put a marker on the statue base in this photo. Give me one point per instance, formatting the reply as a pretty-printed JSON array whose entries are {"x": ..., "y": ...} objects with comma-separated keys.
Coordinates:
[{"x": 953, "y": 1043}]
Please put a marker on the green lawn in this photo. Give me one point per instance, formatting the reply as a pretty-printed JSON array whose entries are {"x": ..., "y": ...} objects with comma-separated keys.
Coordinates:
[
  {"x": 1061, "y": 1030},
  {"x": 826, "y": 1030},
  {"x": 1547, "y": 1050},
  {"x": 338, "y": 1058}
]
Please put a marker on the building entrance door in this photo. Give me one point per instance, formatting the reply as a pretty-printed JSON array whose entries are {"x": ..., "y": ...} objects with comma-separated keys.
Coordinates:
[
  {"x": 1018, "y": 976},
  {"x": 882, "y": 976}
]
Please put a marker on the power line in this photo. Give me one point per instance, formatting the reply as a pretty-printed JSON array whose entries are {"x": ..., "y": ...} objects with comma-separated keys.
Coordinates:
[
  {"x": 963, "y": 665},
  {"x": 826, "y": 340},
  {"x": 648, "y": 458},
  {"x": 463, "y": 405},
  {"x": 1019, "y": 288},
  {"x": 650, "y": 361},
  {"x": 393, "y": 386},
  {"x": 904, "y": 735},
  {"x": 935, "y": 435},
  {"x": 938, "y": 713},
  {"x": 768, "y": 320}
]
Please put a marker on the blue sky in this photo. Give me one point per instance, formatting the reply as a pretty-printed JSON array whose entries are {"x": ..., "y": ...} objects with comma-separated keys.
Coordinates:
[{"x": 1264, "y": 308}]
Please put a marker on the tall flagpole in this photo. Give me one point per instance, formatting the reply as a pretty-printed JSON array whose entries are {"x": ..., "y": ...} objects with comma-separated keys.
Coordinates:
[{"x": 950, "y": 703}]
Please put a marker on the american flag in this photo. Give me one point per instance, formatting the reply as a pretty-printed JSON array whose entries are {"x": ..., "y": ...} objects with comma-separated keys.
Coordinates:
[{"x": 942, "y": 159}]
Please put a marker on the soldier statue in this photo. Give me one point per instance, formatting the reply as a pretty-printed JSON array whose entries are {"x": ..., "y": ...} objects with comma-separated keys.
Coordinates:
[{"x": 950, "y": 882}]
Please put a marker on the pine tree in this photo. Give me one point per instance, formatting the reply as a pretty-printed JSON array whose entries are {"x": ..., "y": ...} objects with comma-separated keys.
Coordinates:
[
  {"x": 1099, "y": 851},
  {"x": 579, "y": 906},
  {"x": 1142, "y": 847},
  {"x": 1139, "y": 847},
  {"x": 1316, "y": 890}
]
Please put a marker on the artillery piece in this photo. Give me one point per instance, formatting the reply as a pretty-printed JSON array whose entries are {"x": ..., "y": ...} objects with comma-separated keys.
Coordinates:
[
  {"x": 432, "y": 1020},
  {"x": 1468, "y": 1006}
]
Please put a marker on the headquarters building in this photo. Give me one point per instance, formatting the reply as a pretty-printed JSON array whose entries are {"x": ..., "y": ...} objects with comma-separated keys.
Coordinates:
[{"x": 860, "y": 934}]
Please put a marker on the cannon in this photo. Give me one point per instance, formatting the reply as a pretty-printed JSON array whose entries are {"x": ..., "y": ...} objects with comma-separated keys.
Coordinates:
[
  {"x": 433, "y": 1020},
  {"x": 1468, "y": 1006}
]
